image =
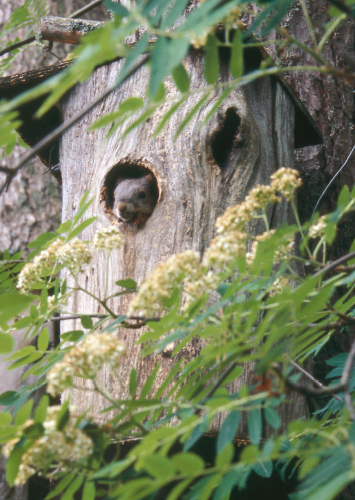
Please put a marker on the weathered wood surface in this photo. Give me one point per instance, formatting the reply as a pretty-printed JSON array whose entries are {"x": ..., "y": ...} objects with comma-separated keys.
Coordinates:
[
  {"x": 194, "y": 191},
  {"x": 61, "y": 29}
]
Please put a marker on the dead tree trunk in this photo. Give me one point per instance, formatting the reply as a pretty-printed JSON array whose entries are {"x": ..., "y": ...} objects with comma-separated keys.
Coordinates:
[{"x": 198, "y": 175}]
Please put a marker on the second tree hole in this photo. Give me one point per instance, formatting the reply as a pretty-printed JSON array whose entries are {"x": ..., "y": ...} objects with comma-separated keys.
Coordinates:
[{"x": 227, "y": 138}]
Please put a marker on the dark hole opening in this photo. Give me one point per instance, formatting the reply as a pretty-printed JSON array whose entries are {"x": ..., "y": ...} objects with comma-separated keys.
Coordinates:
[
  {"x": 225, "y": 139},
  {"x": 120, "y": 173}
]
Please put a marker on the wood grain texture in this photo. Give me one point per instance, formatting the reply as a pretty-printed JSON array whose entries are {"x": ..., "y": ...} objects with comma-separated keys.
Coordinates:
[{"x": 194, "y": 191}]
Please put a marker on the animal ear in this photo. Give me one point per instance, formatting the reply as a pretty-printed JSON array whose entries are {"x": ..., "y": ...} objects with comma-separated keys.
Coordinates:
[
  {"x": 149, "y": 177},
  {"x": 118, "y": 180}
]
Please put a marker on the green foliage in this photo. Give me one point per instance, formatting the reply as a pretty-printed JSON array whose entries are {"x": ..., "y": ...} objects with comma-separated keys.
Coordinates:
[
  {"x": 267, "y": 314},
  {"x": 254, "y": 321}
]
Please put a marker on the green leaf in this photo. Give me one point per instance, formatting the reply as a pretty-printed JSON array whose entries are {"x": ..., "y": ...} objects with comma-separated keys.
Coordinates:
[
  {"x": 143, "y": 117},
  {"x": 75, "y": 485},
  {"x": 237, "y": 59},
  {"x": 41, "y": 409},
  {"x": 195, "y": 435},
  {"x": 129, "y": 106},
  {"x": 26, "y": 360},
  {"x": 187, "y": 463},
  {"x": 89, "y": 491},
  {"x": 174, "y": 13},
  {"x": 72, "y": 336},
  {"x": 114, "y": 469},
  {"x": 7, "y": 398},
  {"x": 255, "y": 426},
  {"x": 165, "y": 56},
  {"x": 6, "y": 343},
  {"x": 225, "y": 456},
  {"x": 42, "y": 240},
  {"x": 157, "y": 466},
  {"x": 116, "y": 8},
  {"x": 129, "y": 284},
  {"x": 12, "y": 304},
  {"x": 24, "y": 413},
  {"x": 211, "y": 60},
  {"x": 133, "y": 382},
  {"x": 263, "y": 469},
  {"x": 43, "y": 340},
  {"x": 149, "y": 383},
  {"x": 65, "y": 227},
  {"x": 34, "y": 431},
  {"x": 181, "y": 78},
  {"x": 5, "y": 418},
  {"x": 167, "y": 116},
  {"x": 228, "y": 430},
  {"x": 272, "y": 417},
  {"x": 80, "y": 228},
  {"x": 86, "y": 321},
  {"x": 63, "y": 416},
  {"x": 63, "y": 483},
  {"x": 13, "y": 463},
  {"x": 344, "y": 197}
]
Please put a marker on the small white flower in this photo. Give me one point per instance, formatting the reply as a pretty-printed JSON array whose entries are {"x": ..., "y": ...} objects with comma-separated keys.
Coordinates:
[{"x": 108, "y": 238}]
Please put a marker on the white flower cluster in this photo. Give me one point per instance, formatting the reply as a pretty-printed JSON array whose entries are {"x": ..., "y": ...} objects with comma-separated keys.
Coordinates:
[
  {"x": 185, "y": 269},
  {"x": 85, "y": 360},
  {"x": 108, "y": 238},
  {"x": 225, "y": 248},
  {"x": 163, "y": 280},
  {"x": 286, "y": 181},
  {"x": 278, "y": 285},
  {"x": 317, "y": 230},
  {"x": 73, "y": 255},
  {"x": 282, "y": 253},
  {"x": 32, "y": 271},
  {"x": 54, "y": 302},
  {"x": 54, "y": 446}
]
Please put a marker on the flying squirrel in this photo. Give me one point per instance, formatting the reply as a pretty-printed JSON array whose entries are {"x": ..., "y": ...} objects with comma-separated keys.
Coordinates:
[{"x": 135, "y": 199}]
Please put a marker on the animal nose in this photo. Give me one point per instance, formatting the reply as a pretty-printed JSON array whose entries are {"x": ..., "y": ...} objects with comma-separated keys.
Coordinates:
[{"x": 122, "y": 206}]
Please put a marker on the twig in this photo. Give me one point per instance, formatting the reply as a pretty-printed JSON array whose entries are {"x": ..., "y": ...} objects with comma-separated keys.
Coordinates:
[
  {"x": 65, "y": 126},
  {"x": 308, "y": 391},
  {"x": 78, "y": 316},
  {"x": 335, "y": 264},
  {"x": 308, "y": 375},
  {"x": 32, "y": 38},
  {"x": 17, "y": 45},
  {"x": 85, "y": 9},
  {"x": 345, "y": 269},
  {"x": 218, "y": 383}
]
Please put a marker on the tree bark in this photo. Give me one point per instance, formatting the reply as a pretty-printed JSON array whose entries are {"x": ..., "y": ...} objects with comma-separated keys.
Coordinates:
[{"x": 193, "y": 192}]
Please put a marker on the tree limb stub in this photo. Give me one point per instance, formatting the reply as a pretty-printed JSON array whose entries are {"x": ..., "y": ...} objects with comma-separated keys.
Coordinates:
[{"x": 61, "y": 29}]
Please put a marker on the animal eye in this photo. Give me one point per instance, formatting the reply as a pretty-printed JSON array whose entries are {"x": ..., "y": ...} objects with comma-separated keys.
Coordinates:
[{"x": 142, "y": 195}]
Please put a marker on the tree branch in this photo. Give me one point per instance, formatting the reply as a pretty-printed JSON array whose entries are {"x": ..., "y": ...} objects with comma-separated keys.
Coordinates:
[
  {"x": 335, "y": 264},
  {"x": 32, "y": 38},
  {"x": 309, "y": 376}
]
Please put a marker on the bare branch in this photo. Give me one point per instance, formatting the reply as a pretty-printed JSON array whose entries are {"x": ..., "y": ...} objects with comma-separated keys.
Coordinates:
[
  {"x": 309, "y": 376},
  {"x": 32, "y": 38},
  {"x": 335, "y": 264}
]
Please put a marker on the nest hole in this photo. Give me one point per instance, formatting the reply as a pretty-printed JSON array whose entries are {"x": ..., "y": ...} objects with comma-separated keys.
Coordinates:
[
  {"x": 227, "y": 138},
  {"x": 116, "y": 175}
]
